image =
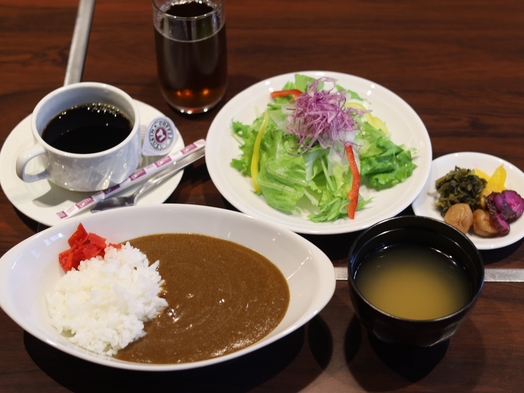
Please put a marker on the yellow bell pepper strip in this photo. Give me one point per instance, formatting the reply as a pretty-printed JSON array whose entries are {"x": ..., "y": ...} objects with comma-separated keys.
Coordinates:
[
  {"x": 355, "y": 184},
  {"x": 256, "y": 153},
  {"x": 284, "y": 93}
]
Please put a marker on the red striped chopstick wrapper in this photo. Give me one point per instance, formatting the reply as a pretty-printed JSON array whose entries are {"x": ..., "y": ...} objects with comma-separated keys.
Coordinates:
[{"x": 137, "y": 176}]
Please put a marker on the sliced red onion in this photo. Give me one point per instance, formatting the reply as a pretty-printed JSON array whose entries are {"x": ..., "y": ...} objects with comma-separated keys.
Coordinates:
[{"x": 323, "y": 117}]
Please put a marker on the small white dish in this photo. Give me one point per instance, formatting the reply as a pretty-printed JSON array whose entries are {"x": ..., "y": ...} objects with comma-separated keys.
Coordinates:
[
  {"x": 30, "y": 269},
  {"x": 41, "y": 200},
  {"x": 424, "y": 205},
  {"x": 405, "y": 126}
]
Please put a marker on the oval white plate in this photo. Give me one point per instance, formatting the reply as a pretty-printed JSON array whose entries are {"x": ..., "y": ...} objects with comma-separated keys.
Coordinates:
[
  {"x": 405, "y": 126},
  {"x": 30, "y": 269},
  {"x": 41, "y": 200},
  {"x": 424, "y": 205}
]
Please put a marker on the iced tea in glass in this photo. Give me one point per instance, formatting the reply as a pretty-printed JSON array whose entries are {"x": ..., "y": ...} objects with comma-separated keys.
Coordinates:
[{"x": 190, "y": 39}]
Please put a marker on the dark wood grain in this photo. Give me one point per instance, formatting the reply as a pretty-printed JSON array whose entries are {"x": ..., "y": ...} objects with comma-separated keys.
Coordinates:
[{"x": 459, "y": 64}]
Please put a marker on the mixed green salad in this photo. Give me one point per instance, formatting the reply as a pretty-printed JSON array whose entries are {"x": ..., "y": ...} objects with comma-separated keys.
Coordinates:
[{"x": 313, "y": 147}]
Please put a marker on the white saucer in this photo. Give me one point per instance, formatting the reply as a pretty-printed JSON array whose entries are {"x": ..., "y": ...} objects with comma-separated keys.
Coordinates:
[
  {"x": 41, "y": 200},
  {"x": 424, "y": 205}
]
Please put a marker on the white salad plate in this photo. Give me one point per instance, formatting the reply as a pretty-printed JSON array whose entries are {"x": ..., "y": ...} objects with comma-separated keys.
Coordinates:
[
  {"x": 31, "y": 269},
  {"x": 403, "y": 123},
  {"x": 41, "y": 200},
  {"x": 424, "y": 205}
]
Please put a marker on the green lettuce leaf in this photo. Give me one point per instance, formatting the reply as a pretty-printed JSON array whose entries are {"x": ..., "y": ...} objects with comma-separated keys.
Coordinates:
[{"x": 383, "y": 164}]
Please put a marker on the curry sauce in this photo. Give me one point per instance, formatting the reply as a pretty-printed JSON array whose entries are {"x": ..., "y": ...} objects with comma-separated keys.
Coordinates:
[{"x": 222, "y": 297}]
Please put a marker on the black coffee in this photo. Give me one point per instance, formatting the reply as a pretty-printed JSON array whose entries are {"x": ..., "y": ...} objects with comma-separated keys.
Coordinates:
[{"x": 88, "y": 128}]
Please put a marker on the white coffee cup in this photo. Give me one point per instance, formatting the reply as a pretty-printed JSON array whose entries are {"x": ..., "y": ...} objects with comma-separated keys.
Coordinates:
[{"x": 82, "y": 172}]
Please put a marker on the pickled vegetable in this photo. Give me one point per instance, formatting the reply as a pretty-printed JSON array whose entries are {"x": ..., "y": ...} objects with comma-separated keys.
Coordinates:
[
  {"x": 495, "y": 182},
  {"x": 460, "y": 216},
  {"x": 459, "y": 186},
  {"x": 482, "y": 225},
  {"x": 83, "y": 246},
  {"x": 463, "y": 191},
  {"x": 509, "y": 204}
]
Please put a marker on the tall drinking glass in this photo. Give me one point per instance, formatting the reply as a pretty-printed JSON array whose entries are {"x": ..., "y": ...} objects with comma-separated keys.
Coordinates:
[{"x": 190, "y": 38}]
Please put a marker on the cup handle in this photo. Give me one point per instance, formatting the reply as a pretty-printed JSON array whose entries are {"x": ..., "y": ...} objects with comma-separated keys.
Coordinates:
[{"x": 22, "y": 161}]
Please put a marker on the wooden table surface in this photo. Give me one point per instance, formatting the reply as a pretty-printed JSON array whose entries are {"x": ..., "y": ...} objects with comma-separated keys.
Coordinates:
[{"x": 459, "y": 64}]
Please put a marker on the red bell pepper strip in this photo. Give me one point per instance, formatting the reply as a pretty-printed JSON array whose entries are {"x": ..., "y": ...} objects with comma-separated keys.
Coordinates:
[
  {"x": 285, "y": 93},
  {"x": 355, "y": 184}
]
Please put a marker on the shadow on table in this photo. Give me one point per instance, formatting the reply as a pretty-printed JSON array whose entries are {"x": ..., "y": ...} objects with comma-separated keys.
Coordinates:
[
  {"x": 29, "y": 222},
  {"x": 410, "y": 363},
  {"x": 237, "y": 375},
  {"x": 379, "y": 366},
  {"x": 320, "y": 341},
  {"x": 500, "y": 254}
]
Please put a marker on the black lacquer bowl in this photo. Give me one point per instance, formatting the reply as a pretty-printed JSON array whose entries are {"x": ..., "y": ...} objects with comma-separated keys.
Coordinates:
[{"x": 420, "y": 231}]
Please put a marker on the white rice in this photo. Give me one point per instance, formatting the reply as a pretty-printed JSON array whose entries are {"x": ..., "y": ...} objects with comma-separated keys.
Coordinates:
[{"x": 103, "y": 305}]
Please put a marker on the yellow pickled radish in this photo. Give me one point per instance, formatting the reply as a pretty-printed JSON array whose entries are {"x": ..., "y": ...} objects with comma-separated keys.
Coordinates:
[
  {"x": 495, "y": 182},
  {"x": 482, "y": 174}
]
